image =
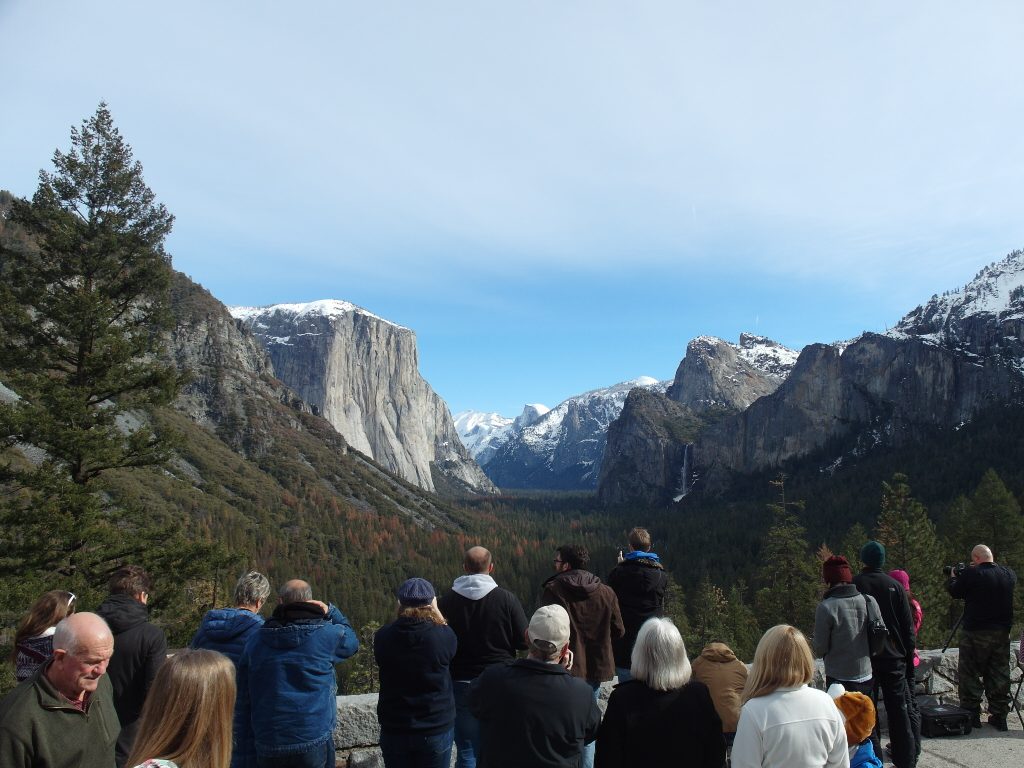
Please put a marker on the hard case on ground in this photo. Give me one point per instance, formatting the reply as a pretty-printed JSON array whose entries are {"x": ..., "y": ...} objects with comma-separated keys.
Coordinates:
[{"x": 944, "y": 720}]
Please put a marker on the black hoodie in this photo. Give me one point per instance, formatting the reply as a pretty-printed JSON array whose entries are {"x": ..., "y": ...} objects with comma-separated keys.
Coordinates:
[{"x": 139, "y": 650}]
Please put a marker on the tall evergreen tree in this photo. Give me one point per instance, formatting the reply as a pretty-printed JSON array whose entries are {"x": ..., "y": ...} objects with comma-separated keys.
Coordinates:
[
  {"x": 83, "y": 314},
  {"x": 912, "y": 545},
  {"x": 790, "y": 583}
]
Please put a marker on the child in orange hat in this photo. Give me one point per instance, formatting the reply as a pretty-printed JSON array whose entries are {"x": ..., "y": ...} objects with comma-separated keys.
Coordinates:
[{"x": 859, "y": 717}]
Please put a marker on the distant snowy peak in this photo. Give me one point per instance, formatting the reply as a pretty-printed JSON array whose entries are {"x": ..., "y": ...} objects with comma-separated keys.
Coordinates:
[
  {"x": 311, "y": 310},
  {"x": 531, "y": 413},
  {"x": 996, "y": 293},
  {"x": 482, "y": 433},
  {"x": 603, "y": 405}
]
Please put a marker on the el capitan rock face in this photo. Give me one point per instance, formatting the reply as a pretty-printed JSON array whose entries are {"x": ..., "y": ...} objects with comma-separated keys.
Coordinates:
[{"x": 361, "y": 373}]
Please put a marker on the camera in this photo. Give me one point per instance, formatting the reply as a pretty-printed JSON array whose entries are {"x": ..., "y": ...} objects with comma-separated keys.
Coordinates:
[{"x": 954, "y": 570}]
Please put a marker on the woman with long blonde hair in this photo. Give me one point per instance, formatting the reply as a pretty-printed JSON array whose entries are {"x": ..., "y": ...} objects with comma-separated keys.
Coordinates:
[
  {"x": 186, "y": 721},
  {"x": 33, "y": 642},
  {"x": 785, "y": 723}
]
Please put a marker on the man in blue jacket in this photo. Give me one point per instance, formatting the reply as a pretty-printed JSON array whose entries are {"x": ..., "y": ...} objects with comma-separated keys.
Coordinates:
[
  {"x": 286, "y": 680},
  {"x": 227, "y": 630}
]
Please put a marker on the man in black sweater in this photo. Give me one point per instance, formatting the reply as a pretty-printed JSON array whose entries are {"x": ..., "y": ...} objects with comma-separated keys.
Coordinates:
[
  {"x": 987, "y": 591},
  {"x": 639, "y": 582},
  {"x": 890, "y": 668},
  {"x": 139, "y": 649},
  {"x": 490, "y": 625},
  {"x": 532, "y": 711}
]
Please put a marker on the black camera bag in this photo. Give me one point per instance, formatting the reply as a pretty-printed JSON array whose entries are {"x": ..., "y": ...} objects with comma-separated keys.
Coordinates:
[{"x": 944, "y": 720}]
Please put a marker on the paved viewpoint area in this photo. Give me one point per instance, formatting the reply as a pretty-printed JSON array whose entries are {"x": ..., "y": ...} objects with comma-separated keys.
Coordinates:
[{"x": 982, "y": 747}]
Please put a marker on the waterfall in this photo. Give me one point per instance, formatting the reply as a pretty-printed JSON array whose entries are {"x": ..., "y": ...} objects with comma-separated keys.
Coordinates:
[{"x": 685, "y": 484}]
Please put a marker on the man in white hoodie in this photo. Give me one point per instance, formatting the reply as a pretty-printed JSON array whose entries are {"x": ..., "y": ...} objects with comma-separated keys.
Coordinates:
[{"x": 491, "y": 626}]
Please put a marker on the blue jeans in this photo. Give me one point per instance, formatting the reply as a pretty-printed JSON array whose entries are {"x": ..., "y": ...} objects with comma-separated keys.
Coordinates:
[
  {"x": 467, "y": 728},
  {"x": 321, "y": 757},
  {"x": 588, "y": 749},
  {"x": 623, "y": 674},
  {"x": 410, "y": 750}
]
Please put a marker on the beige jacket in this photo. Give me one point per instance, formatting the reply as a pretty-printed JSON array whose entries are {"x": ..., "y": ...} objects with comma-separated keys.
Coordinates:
[{"x": 724, "y": 675}]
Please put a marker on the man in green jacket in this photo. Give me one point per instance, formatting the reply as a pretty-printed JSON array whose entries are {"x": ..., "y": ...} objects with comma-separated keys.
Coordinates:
[{"x": 63, "y": 716}]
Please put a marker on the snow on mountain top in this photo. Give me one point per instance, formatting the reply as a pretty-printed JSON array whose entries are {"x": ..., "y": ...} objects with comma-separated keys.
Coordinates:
[
  {"x": 329, "y": 308},
  {"x": 762, "y": 353},
  {"x": 997, "y": 289}
]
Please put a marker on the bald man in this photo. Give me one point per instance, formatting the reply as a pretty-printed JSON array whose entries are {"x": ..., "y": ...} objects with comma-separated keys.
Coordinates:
[
  {"x": 987, "y": 592},
  {"x": 286, "y": 683},
  {"x": 63, "y": 716},
  {"x": 490, "y": 625}
]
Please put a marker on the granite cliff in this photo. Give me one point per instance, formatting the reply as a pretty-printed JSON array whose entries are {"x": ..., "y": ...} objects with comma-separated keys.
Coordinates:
[
  {"x": 943, "y": 363},
  {"x": 361, "y": 373},
  {"x": 648, "y": 455}
]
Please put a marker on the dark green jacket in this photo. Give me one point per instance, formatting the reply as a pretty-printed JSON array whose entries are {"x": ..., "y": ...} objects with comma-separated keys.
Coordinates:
[{"x": 39, "y": 730}]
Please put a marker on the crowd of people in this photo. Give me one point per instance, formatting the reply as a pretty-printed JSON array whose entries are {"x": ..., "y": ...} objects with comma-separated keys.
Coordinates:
[{"x": 468, "y": 671}]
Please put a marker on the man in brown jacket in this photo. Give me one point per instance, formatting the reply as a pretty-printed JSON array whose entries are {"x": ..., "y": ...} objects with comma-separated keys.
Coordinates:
[
  {"x": 724, "y": 675},
  {"x": 594, "y": 620}
]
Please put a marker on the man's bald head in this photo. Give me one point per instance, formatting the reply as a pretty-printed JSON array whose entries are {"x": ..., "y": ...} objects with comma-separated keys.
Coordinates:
[
  {"x": 477, "y": 560},
  {"x": 80, "y": 629},
  {"x": 295, "y": 591},
  {"x": 82, "y": 647},
  {"x": 981, "y": 554}
]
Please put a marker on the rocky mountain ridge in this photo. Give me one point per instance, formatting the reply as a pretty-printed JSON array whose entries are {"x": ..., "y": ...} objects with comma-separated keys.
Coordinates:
[
  {"x": 942, "y": 364},
  {"x": 560, "y": 449},
  {"x": 361, "y": 373}
]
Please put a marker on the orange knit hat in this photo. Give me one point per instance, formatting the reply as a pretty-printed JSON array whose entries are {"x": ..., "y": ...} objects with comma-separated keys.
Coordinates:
[{"x": 859, "y": 712}]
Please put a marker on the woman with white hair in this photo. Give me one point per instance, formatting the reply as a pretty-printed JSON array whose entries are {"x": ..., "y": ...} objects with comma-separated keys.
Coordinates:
[
  {"x": 783, "y": 722},
  {"x": 660, "y": 716}
]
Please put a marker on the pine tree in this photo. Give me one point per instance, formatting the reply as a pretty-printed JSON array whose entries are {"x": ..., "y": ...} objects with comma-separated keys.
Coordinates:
[
  {"x": 83, "y": 314},
  {"x": 791, "y": 585},
  {"x": 742, "y": 623},
  {"x": 912, "y": 545},
  {"x": 708, "y": 617},
  {"x": 990, "y": 516}
]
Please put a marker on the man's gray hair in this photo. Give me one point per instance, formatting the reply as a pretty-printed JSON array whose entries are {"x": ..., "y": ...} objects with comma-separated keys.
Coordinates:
[
  {"x": 659, "y": 656},
  {"x": 252, "y": 588},
  {"x": 295, "y": 591}
]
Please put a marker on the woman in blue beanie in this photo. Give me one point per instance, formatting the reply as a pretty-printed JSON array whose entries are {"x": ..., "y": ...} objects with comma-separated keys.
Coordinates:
[{"x": 416, "y": 705}]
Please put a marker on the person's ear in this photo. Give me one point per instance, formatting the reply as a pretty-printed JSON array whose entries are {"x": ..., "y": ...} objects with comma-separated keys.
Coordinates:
[{"x": 490, "y": 568}]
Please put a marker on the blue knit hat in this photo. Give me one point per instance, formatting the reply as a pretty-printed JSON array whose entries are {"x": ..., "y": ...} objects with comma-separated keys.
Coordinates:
[
  {"x": 872, "y": 554},
  {"x": 415, "y": 591}
]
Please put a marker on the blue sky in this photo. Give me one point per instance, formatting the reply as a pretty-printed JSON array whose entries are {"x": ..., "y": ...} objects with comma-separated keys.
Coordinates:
[{"x": 556, "y": 196}]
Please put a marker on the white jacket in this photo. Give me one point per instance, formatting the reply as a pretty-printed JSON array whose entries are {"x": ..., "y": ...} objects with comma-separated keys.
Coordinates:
[{"x": 791, "y": 728}]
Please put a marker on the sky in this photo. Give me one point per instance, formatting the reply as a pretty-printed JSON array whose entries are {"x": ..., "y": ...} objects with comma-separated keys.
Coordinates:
[{"x": 555, "y": 196}]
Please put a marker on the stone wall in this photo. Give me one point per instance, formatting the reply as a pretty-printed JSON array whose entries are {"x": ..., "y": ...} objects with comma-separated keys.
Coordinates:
[{"x": 358, "y": 734}]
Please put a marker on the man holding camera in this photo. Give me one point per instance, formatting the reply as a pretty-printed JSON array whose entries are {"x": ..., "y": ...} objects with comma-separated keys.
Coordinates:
[{"x": 987, "y": 592}]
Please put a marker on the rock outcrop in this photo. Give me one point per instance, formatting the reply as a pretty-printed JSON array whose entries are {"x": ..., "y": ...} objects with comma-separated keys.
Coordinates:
[
  {"x": 361, "y": 373},
  {"x": 648, "y": 457},
  {"x": 717, "y": 374}
]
